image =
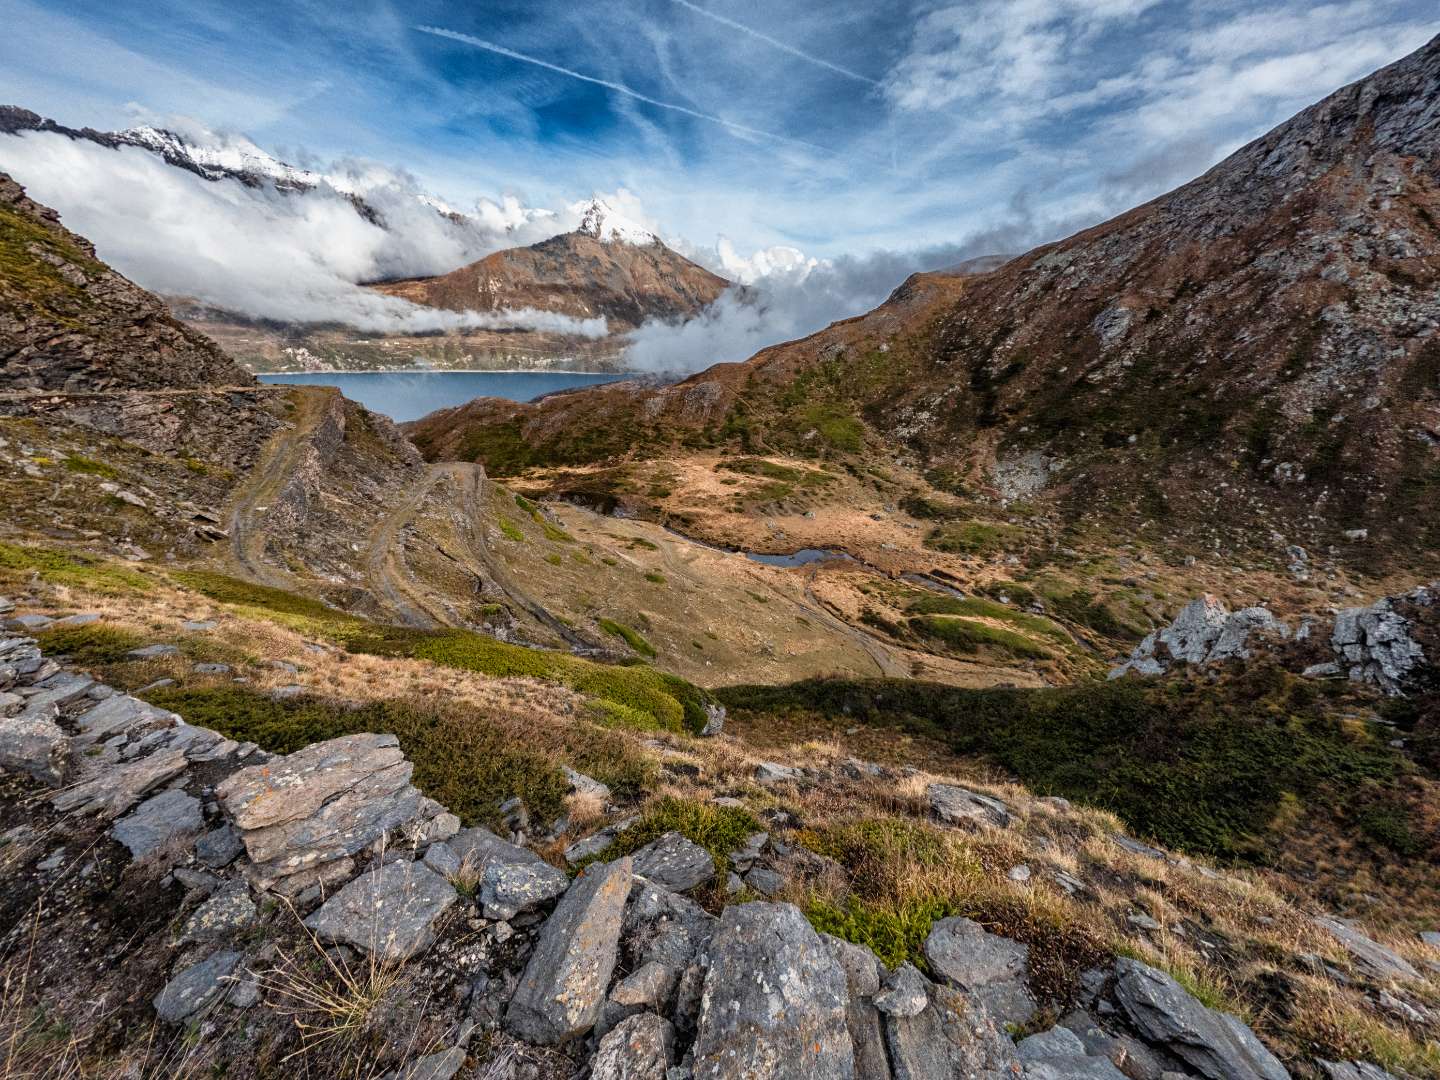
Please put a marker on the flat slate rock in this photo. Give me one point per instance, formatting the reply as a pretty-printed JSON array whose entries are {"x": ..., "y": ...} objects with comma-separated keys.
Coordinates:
[
  {"x": 389, "y": 912},
  {"x": 863, "y": 974},
  {"x": 511, "y": 878},
  {"x": 955, "y": 805},
  {"x": 169, "y": 815},
  {"x": 563, "y": 987},
  {"x": 196, "y": 987},
  {"x": 774, "y": 1003},
  {"x": 674, "y": 863},
  {"x": 963, "y": 954},
  {"x": 1215, "y": 1044},
  {"x": 1376, "y": 960}
]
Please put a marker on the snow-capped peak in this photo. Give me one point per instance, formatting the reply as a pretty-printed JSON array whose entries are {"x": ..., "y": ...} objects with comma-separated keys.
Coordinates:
[
  {"x": 226, "y": 154},
  {"x": 600, "y": 220}
]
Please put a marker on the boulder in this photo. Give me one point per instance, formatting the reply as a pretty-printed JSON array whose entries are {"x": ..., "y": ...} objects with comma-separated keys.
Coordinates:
[
  {"x": 960, "y": 806},
  {"x": 774, "y": 1000},
  {"x": 1375, "y": 960},
  {"x": 952, "y": 1036},
  {"x": 322, "y": 803},
  {"x": 664, "y": 928},
  {"x": 219, "y": 847},
  {"x": 561, "y": 991},
  {"x": 674, "y": 863},
  {"x": 906, "y": 993},
  {"x": 1056, "y": 1042},
  {"x": 863, "y": 974},
  {"x": 389, "y": 912},
  {"x": 32, "y": 743},
  {"x": 170, "y": 815},
  {"x": 511, "y": 878},
  {"x": 1354, "y": 1070},
  {"x": 198, "y": 986},
  {"x": 1215, "y": 1044},
  {"x": 641, "y": 1047},
  {"x": 1205, "y": 632},
  {"x": 769, "y": 772},
  {"x": 991, "y": 968},
  {"x": 113, "y": 790},
  {"x": 1072, "y": 1067},
  {"x": 1374, "y": 643},
  {"x": 580, "y": 784}
]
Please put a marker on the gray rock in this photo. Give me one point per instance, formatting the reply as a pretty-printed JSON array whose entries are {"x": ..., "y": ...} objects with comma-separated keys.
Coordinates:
[
  {"x": 964, "y": 955},
  {"x": 150, "y": 652},
  {"x": 641, "y": 1047},
  {"x": 956, "y": 806},
  {"x": 774, "y": 1001},
  {"x": 199, "y": 625},
  {"x": 665, "y": 928},
  {"x": 580, "y": 784},
  {"x": 863, "y": 973},
  {"x": 714, "y": 720},
  {"x": 441, "y": 858},
  {"x": 1205, "y": 632},
  {"x": 439, "y": 1066},
  {"x": 169, "y": 815},
  {"x": 198, "y": 986},
  {"x": 647, "y": 987},
  {"x": 32, "y": 743},
  {"x": 769, "y": 772},
  {"x": 1354, "y": 1070},
  {"x": 743, "y": 857},
  {"x": 952, "y": 1037},
  {"x": 1019, "y": 874},
  {"x": 1214, "y": 1044},
  {"x": 1072, "y": 1067},
  {"x": 1431, "y": 938},
  {"x": 596, "y": 843},
  {"x": 508, "y": 888},
  {"x": 113, "y": 790},
  {"x": 1375, "y": 960},
  {"x": 1135, "y": 847},
  {"x": 86, "y": 618},
  {"x": 219, "y": 847},
  {"x": 674, "y": 863},
  {"x": 211, "y": 669},
  {"x": 560, "y": 993},
  {"x": 320, "y": 804},
  {"x": 906, "y": 993},
  {"x": 1374, "y": 643},
  {"x": 389, "y": 912},
  {"x": 31, "y": 622},
  {"x": 223, "y": 915},
  {"x": 764, "y": 880},
  {"x": 1057, "y": 1042}
]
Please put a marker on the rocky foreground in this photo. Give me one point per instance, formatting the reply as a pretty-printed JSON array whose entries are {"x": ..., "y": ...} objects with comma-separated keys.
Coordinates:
[{"x": 310, "y": 885}]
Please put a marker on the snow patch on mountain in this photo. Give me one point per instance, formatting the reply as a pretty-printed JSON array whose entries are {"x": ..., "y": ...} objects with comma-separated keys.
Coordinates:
[{"x": 602, "y": 221}]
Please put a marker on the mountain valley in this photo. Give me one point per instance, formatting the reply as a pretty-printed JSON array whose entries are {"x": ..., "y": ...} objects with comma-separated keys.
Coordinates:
[{"x": 1037, "y": 676}]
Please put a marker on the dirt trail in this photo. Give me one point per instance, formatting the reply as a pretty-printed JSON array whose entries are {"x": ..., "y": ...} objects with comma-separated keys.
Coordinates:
[
  {"x": 266, "y": 480},
  {"x": 385, "y": 564}
]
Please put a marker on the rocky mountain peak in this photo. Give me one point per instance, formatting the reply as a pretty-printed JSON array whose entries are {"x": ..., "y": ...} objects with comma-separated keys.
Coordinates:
[{"x": 601, "y": 221}]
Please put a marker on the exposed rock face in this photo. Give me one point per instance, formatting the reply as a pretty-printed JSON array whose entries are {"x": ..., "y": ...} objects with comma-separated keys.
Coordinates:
[
  {"x": 579, "y": 274},
  {"x": 990, "y": 968},
  {"x": 674, "y": 863},
  {"x": 320, "y": 804},
  {"x": 774, "y": 1003},
  {"x": 956, "y": 805},
  {"x": 1374, "y": 644},
  {"x": 951, "y": 1036},
  {"x": 641, "y": 1047},
  {"x": 1205, "y": 632},
  {"x": 78, "y": 325},
  {"x": 560, "y": 994},
  {"x": 1376, "y": 960},
  {"x": 863, "y": 975},
  {"x": 1216, "y": 1045},
  {"x": 389, "y": 912}
]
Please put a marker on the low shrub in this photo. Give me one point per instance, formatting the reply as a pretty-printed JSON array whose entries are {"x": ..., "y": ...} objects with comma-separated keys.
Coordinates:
[
  {"x": 971, "y": 636},
  {"x": 629, "y": 636},
  {"x": 718, "y": 829},
  {"x": 70, "y": 569}
]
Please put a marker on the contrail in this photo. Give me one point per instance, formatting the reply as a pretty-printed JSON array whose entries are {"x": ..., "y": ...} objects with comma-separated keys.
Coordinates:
[
  {"x": 619, "y": 88},
  {"x": 723, "y": 21}
]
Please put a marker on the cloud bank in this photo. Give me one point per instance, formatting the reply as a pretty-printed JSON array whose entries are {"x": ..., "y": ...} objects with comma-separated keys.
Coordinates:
[{"x": 277, "y": 256}]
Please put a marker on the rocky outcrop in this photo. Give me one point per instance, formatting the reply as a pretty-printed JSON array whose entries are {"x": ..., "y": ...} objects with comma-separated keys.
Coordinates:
[
  {"x": 1205, "y": 632},
  {"x": 389, "y": 912},
  {"x": 991, "y": 968},
  {"x": 1374, "y": 644}
]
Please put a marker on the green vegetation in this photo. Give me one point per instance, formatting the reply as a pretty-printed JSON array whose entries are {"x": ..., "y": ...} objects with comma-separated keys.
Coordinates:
[
  {"x": 32, "y": 259},
  {"x": 91, "y": 645},
  {"x": 1200, "y": 766},
  {"x": 837, "y": 427},
  {"x": 68, "y": 568},
  {"x": 669, "y": 702},
  {"x": 973, "y": 538},
  {"x": 654, "y": 577},
  {"x": 970, "y": 636},
  {"x": 462, "y": 758},
  {"x": 511, "y": 531},
  {"x": 718, "y": 829},
  {"x": 631, "y": 637},
  {"x": 78, "y": 463},
  {"x": 974, "y": 606},
  {"x": 554, "y": 560}
]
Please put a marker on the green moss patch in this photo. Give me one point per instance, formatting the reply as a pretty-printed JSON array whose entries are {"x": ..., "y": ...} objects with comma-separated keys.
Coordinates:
[
  {"x": 973, "y": 538},
  {"x": 92, "y": 645},
  {"x": 69, "y": 568},
  {"x": 718, "y": 829},
  {"x": 78, "y": 463},
  {"x": 971, "y": 636},
  {"x": 629, "y": 636},
  {"x": 977, "y": 607}
]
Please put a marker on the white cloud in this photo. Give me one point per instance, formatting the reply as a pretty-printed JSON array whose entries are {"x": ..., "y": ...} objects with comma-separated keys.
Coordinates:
[{"x": 292, "y": 258}]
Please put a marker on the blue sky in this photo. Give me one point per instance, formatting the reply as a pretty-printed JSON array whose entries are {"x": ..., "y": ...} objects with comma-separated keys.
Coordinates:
[{"x": 829, "y": 126}]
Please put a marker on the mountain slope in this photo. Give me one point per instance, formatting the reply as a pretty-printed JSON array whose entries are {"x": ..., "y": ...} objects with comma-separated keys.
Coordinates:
[
  {"x": 68, "y": 321},
  {"x": 607, "y": 267},
  {"x": 1255, "y": 349}
]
